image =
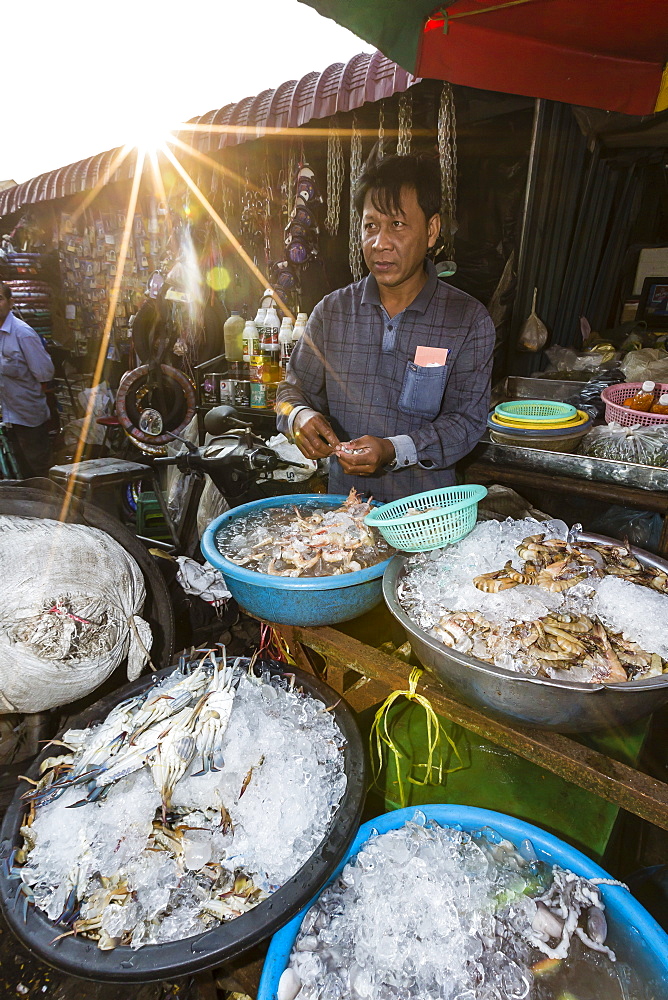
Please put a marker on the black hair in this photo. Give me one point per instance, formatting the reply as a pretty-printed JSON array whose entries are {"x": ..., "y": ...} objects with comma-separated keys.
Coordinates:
[
  {"x": 6, "y": 290},
  {"x": 385, "y": 178}
]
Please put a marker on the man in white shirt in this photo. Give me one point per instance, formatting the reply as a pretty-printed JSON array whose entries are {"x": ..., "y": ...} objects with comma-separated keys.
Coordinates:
[{"x": 25, "y": 369}]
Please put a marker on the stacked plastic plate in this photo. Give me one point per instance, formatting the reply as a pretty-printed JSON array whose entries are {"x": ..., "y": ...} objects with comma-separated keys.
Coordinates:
[{"x": 538, "y": 423}]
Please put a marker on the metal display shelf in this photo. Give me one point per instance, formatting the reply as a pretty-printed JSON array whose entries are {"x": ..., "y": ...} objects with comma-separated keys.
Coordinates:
[
  {"x": 564, "y": 463},
  {"x": 644, "y": 487}
]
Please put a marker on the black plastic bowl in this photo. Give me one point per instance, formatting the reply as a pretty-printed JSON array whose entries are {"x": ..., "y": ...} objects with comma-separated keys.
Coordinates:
[{"x": 81, "y": 957}]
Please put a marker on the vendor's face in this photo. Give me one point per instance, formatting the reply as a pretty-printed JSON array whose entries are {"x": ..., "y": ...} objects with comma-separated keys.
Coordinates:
[
  {"x": 395, "y": 245},
  {"x": 5, "y": 306}
]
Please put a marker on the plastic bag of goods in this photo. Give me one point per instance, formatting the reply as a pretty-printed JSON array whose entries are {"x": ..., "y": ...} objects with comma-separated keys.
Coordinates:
[
  {"x": 647, "y": 364},
  {"x": 589, "y": 397},
  {"x": 302, "y": 469},
  {"x": 102, "y": 405},
  {"x": 567, "y": 359},
  {"x": 639, "y": 444},
  {"x": 639, "y": 527},
  {"x": 70, "y": 603}
]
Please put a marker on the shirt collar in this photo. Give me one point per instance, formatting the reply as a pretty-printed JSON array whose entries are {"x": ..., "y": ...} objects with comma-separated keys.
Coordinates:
[
  {"x": 8, "y": 324},
  {"x": 420, "y": 304}
]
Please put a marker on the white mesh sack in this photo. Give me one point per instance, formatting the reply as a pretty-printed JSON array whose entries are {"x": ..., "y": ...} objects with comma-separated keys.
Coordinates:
[{"x": 70, "y": 603}]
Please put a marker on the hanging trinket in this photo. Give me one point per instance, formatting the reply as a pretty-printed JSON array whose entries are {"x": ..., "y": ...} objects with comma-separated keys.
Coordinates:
[{"x": 301, "y": 232}]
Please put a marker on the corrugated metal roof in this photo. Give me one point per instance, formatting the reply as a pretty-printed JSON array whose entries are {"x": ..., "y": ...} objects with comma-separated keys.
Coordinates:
[{"x": 341, "y": 87}]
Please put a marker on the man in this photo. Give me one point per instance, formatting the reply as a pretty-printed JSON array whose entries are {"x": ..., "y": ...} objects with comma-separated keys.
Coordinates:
[
  {"x": 25, "y": 369},
  {"x": 353, "y": 389}
]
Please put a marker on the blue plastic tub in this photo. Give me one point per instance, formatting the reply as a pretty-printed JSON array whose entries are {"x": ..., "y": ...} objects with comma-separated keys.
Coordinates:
[
  {"x": 311, "y": 600},
  {"x": 636, "y": 936}
]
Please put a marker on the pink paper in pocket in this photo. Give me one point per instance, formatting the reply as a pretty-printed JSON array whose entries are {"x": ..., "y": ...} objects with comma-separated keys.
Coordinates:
[{"x": 430, "y": 357}]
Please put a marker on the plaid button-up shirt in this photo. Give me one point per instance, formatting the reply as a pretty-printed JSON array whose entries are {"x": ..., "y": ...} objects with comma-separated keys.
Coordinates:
[{"x": 355, "y": 365}]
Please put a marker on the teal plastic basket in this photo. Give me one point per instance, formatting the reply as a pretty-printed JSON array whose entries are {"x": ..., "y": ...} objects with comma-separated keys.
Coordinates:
[
  {"x": 535, "y": 410},
  {"x": 429, "y": 520}
]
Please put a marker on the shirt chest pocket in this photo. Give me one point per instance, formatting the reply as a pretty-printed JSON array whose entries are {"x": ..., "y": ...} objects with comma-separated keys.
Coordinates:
[
  {"x": 12, "y": 365},
  {"x": 422, "y": 390}
]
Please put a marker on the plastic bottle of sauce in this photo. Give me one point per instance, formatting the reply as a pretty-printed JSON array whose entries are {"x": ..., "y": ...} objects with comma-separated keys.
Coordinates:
[
  {"x": 285, "y": 342},
  {"x": 251, "y": 341},
  {"x": 300, "y": 326},
  {"x": 233, "y": 336},
  {"x": 662, "y": 405},
  {"x": 643, "y": 399}
]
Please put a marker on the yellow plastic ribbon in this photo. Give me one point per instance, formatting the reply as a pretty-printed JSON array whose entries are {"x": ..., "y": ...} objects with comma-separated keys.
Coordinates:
[
  {"x": 435, "y": 732},
  {"x": 277, "y": 641}
]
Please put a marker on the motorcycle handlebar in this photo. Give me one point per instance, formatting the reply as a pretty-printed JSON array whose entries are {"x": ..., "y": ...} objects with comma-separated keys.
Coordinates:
[{"x": 259, "y": 460}]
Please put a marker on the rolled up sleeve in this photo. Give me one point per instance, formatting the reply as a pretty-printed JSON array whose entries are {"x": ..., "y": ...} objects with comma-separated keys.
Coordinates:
[{"x": 405, "y": 452}]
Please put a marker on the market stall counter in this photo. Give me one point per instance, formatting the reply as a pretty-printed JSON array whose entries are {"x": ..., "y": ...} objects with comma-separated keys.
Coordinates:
[{"x": 566, "y": 473}]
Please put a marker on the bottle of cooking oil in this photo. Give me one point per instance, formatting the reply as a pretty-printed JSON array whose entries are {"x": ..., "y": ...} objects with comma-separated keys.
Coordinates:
[
  {"x": 270, "y": 345},
  {"x": 643, "y": 398},
  {"x": 662, "y": 405},
  {"x": 256, "y": 361}
]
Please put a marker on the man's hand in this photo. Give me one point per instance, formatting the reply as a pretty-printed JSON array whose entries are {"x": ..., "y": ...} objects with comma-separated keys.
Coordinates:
[
  {"x": 365, "y": 455},
  {"x": 313, "y": 435}
]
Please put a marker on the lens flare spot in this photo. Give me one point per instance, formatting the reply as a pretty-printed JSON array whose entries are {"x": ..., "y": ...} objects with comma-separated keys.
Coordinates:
[{"x": 218, "y": 278}]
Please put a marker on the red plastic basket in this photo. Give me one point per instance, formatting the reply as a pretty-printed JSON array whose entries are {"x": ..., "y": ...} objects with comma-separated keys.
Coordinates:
[{"x": 615, "y": 395}]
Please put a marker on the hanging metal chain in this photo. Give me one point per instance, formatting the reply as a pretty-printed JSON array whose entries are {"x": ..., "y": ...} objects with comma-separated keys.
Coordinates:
[
  {"x": 225, "y": 200},
  {"x": 447, "y": 154},
  {"x": 354, "y": 238},
  {"x": 381, "y": 132},
  {"x": 335, "y": 170},
  {"x": 268, "y": 204},
  {"x": 405, "y": 125},
  {"x": 291, "y": 187}
]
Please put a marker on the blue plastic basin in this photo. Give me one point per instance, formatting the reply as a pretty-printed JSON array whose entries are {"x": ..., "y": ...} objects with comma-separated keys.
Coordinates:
[
  {"x": 636, "y": 936},
  {"x": 320, "y": 600}
]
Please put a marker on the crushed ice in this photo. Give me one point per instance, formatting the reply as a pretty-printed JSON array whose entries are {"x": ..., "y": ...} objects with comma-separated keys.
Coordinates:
[
  {"x": 426, "y": 911},
  {"x": 260, "y": 817},
  {"x": 441, "y": 581}
]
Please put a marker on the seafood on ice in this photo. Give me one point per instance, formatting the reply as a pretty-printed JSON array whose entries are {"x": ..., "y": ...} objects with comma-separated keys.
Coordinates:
[
  {"x": 582, "y": 611},
  {"x": 480, "y": 918},
  {"x": 186, "y": 806},
  {"x": 308, "y": 541}
]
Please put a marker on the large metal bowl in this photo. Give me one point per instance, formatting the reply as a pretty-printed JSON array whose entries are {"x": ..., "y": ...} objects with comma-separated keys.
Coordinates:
[{"x": 563, "y": 706}]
